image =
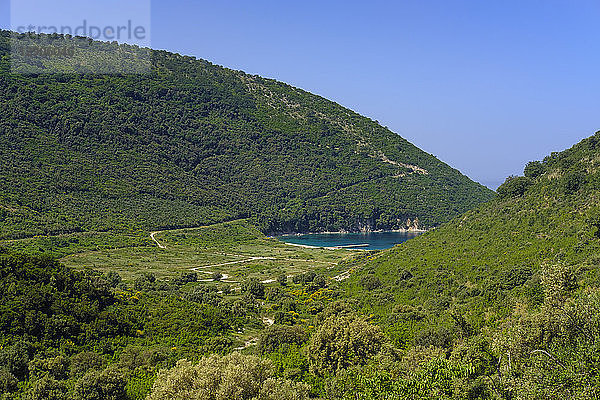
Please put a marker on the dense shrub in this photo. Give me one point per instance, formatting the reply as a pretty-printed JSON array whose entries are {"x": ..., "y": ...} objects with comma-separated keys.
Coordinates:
[
  {"x": 282, "y": 279},
  {"x": 572, "y": 181},
  {"x": 55, "y": 367},
  {"x": 48, "y": 388},
  {"x": 514, "y": 186},
  {"x": 534, "y": 169},
  {"x": 8, "y": 382},
  {"x": 254, "y": 287},
  {"x": 231, "y": 377},
  {"x": 370, "y": 282},
  {"x": 341, "y": 342},
  {"x": 276, "y": 335},
  {"x": 102, "y": 385},
  {"x": 84, "y": 362}
]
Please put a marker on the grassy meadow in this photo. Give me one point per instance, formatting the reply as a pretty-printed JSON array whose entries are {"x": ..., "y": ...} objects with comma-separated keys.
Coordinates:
[{"x": 235, "y": 249}]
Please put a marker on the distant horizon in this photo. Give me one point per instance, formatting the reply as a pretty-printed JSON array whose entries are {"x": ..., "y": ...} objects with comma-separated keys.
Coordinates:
[{"x": 485, "y": 87}]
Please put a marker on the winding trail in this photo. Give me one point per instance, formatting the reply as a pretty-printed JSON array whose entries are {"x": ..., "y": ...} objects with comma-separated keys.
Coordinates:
[{"x": 156, "y": 241}]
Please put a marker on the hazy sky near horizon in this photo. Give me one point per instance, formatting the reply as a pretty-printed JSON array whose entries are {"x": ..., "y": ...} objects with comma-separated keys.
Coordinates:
[{"x": 485, "y": 86}]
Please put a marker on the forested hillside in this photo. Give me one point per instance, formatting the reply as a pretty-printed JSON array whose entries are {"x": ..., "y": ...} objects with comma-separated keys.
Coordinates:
[
  {"x": 192, "y": 143},
  {"x": 508, "y": 290}
]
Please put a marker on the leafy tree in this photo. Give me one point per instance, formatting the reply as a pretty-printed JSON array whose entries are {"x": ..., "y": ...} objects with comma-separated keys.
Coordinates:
[
  {"x": 276, "y": 335},
  {"x": 534, "y": 169},
  {"x": 282, "y": 279},
  {"x": 15, "y": 359},
  {"x": 55, "y": 367},
  {"x": 572, "y": 181},
  {"x": 145, "y": 281},
  {"x": 187, "y": 277},
  {"x": 514, "y": 186},
  {"x": 102, "y": 385},
  {"x": 319, "y": 281},
  {"x": 283, "y": 389},
  {"x": 84, "y": 362},
  {"x": 8, "y": 382},
  {"x": 308, "y": 277},
  {"x": 48, "y": 388}
]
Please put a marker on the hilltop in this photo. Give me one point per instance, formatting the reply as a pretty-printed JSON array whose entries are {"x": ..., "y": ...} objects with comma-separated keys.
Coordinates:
[{"x": 191, "y": 143}]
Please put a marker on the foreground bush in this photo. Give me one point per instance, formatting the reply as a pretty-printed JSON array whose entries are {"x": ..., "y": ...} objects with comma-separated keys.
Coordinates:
[{"x": 231, "y": 377}]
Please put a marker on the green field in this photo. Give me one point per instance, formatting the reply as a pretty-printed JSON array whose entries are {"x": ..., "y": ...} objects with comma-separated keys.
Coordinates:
[{"x": 235, "y": 249}]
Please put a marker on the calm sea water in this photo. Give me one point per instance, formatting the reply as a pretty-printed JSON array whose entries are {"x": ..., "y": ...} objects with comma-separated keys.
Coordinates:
[{"x": 365, "y": 241}]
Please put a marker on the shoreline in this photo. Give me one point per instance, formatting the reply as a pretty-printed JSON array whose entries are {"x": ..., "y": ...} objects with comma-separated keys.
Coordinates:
[
  {"x": 357, "y": 247},
  {"x": 351, "y": 232},
  {"x": 306, "y": 246}
]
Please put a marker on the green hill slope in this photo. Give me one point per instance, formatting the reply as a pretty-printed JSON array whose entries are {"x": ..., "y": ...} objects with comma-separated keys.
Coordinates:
[
  {"x": 551, "y": 215},
  {"x": 193, "y": 143},
  {"x": 509, "y": 289}
]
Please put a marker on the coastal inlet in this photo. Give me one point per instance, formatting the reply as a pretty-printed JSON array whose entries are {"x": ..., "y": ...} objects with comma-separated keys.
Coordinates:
[{"x": 356, "y": 240}]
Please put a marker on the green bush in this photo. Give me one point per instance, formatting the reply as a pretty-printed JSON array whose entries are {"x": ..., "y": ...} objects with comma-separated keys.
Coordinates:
[
  {"x": 514, "y": 186},
  {"x": 370, "y": 282},
  {"x": 102, "y": 385},
  {"x": 254, "y": 287},
  {"x": 55, "y": 367},
  {"x": 282, "y": 279},
  {"x": 230, "y": 377},
  {"x": 276, "y": 335},
  {"x": 8, "y": 382},
  {"x": 84, "y": 362},
  {"x": 15, "y": 359},
  {"x": 534, "y": 169},
  {"x": 48, "y": 388},
  {"x": 342, "y": 342}
]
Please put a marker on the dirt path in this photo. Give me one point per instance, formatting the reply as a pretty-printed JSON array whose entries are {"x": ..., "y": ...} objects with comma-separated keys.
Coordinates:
[
  {"x": 343, "y": 276},
  {"x": 248, "y": 343},
  {"x": 156, "y": 241},
  {"x": 234, "y": 262}
]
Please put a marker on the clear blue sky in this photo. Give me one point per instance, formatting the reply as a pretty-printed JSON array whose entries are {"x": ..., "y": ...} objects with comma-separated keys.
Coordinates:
[{"x": 484, "y": 85}]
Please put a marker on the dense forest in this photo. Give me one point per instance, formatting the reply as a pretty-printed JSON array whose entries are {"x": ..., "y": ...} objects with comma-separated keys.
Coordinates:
[{"x": 190, "y": 143}]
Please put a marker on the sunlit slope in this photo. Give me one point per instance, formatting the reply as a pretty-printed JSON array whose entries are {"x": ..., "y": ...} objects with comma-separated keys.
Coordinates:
[{"x": 549, "y": 216}]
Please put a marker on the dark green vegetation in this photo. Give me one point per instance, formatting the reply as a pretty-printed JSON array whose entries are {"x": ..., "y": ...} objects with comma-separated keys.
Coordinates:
[
  {"x": 192, "y": 144},
  {"x": 86, "y": 335},
  {"x": 59, "y": 330}
]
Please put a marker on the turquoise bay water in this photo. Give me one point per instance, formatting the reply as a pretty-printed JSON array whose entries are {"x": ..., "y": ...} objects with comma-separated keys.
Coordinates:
[{"x": 364, "y": 241}]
